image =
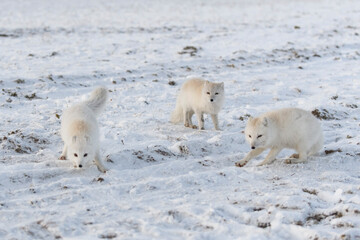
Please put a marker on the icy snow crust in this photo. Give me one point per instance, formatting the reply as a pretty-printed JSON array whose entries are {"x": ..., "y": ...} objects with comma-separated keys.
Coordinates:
[{"x": 167, "y": 181}]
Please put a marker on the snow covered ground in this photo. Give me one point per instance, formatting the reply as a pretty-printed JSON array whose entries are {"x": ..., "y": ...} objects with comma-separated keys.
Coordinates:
[{"x": 167, "y": 181}]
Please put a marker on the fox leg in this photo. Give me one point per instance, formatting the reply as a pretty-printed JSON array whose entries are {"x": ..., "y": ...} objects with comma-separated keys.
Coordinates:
[
  {"x": 302, "y": 150},
  {"x": 249, "y": 156},
  {"x": 214, "y": 118},
  {"x": 186, "y": 118},
  {"x": 271, "y": 156},
  {"x": 313, "y": 150},
  {"x": 63, "y": 154},
  {"x": 301, "y": 157},
  {"x": 99, "y": 163},
  {"x": 191, "y": 113},
  {"x": 200, "y": 118},
  {"x": 316, "y": 147}
]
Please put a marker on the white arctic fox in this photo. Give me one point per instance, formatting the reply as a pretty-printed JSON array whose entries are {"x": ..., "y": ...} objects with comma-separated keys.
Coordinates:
[
  {"x": 285, "y": 128},
  {"x": 80, "y": 131},
  {"x": 198, "y": 96}
]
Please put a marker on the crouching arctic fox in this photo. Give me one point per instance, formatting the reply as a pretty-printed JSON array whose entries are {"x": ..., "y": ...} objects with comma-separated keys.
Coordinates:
[
  {"x": 80, "y": 131},
  {"x": 285, "y": 128},
  {"x": 198, "y": 96}
]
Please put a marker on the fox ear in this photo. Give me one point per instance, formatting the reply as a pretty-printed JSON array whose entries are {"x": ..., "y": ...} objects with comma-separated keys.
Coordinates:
[
  {"x": 265, "y": 121},
  {"x": 74, "y": 139}
]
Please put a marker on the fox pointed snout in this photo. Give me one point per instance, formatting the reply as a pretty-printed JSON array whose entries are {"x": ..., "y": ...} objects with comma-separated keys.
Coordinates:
[
  {"x": 252, "y": 147},
  {"x": 80, "y": 166},
  {"x": 211, "y": 100}
]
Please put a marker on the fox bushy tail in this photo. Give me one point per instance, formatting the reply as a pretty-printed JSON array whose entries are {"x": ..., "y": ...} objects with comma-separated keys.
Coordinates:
[
  {"x": 177, "y": 114},
  {"x": 97, "y": 100}
]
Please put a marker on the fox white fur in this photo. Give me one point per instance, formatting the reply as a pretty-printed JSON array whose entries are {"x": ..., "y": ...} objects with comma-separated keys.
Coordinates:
[
  {"x": 80, "y": 131},
  {"x": 285, "y": 128},
  {"x": 198, "y": 96}
]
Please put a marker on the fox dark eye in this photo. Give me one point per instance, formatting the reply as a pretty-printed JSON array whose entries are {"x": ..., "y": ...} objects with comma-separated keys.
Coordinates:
[
  {"x": 208, "y": 93},
  {"x": 85, "y": 155},
  {"x": 75, "y": 154},
  {"x": 249, "y": 136},
  {"x": 217, "y": 93},
  {"x": 260, "y": 136}
]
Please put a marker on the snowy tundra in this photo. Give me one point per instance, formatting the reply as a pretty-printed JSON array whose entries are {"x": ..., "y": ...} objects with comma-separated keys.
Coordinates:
[{"x": 166, "y": 181}]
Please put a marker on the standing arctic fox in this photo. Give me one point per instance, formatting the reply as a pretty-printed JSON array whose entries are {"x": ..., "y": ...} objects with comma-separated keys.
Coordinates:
[
  {"x": 285, "y": 128},
  {"x": 198, "y": 96},
  {"x": 80, "y": 131}
]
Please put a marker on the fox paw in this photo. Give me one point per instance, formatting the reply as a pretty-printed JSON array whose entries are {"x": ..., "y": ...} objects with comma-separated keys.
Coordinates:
[
  {"x": 190, "y": 126},
  {"x": 288, "y": 161},
  {"x": 240, "y": 164},
  {"x": 102, "y": 169},
  {"x": 295, "y": 155},
  {"x": 62, "y": 158}
]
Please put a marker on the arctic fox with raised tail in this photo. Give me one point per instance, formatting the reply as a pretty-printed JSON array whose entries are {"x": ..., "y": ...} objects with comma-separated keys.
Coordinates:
[
  {"x": 198, "y": 96},
  {"x": 285, "y": 128},
  {"x": 80, "y": 131}
]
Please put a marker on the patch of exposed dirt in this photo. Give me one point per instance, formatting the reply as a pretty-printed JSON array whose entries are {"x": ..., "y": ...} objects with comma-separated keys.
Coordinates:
[
  {"x": 310, "y": 191},
  {"x": 324, "y": 114},
  {"x": 191, "y": 50},
  {"x": 184, "y": 149},
  {"x": 31, "y": 96},
  {"x": 145, "y": 157},
  {"x": 245, "y": 117},
  {"x": 317, "y": 218},
  {"x": 164, "y": 153},
  {"x": 172, "y": 83},
  {"x": 10, "y": 92},
  {"x": 330, "y": 151},
  {"x": 22, "y": 143}
]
